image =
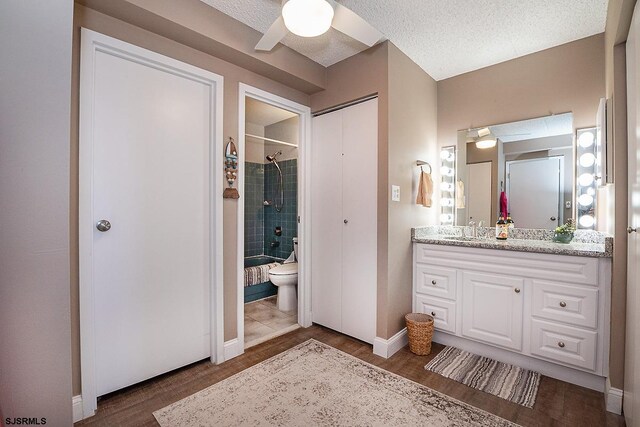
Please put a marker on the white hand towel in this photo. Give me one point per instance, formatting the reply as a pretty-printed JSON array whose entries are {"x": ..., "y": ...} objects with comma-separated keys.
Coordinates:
[{"x": 459, "y": 195}]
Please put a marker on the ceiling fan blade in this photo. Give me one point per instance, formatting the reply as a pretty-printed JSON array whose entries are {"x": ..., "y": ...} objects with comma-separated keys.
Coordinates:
[
  {"x": 274, "y": 34},
  {"x": 348, "y": 22}
]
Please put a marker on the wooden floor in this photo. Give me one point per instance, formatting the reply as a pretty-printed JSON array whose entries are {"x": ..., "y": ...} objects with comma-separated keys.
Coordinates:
[{"x": 558, "y": 403}]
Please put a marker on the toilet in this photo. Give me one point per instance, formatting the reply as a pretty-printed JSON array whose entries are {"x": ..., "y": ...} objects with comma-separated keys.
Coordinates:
[{"x": 285, "y": 277}]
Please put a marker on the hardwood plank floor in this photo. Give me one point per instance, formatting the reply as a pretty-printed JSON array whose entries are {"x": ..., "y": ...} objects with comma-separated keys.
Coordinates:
[{"x": 558, "y": 403}]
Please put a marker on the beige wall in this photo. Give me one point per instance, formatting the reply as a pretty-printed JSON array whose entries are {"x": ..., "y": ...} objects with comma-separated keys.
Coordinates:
[
  {"x": 232, "y": 74},
  {"x": 412, "y": 136},
  {"x": 619, "y": 16},
  {"x": 194, "y": 23},
  {"x": 35, "y": 341},
  {"x": 566, "y": 78}
]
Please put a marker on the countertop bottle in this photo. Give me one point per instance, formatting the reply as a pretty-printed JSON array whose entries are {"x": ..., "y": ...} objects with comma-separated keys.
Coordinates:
[
  {"x": 502, "y": 228},
  {"x": 510, "y": 222}
]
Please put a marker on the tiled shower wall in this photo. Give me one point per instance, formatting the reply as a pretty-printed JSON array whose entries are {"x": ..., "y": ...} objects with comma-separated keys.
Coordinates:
[
  {"x": 253, "y": 209},
  {"x": 287, "y": 218},
  {"x": 261, "y": 183}
]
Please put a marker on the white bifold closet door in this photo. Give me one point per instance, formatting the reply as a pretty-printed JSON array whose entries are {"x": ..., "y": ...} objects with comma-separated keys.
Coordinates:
[
  {"x": 148, "y": 162},
  {"x": 344, "y": 219}
]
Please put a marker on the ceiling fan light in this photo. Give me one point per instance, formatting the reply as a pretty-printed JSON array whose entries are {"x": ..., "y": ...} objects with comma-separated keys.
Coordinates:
[
  {"x": 307, "y": 18},
  {"x": 488, "y": 141}
]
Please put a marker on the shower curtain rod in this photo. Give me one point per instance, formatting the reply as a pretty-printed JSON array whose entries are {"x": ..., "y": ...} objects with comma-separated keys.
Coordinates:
[{"x": 271, "y": 140}]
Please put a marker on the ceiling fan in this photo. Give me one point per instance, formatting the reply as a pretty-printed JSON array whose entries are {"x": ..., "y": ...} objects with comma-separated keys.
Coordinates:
[{"x": 311, "y": 18}]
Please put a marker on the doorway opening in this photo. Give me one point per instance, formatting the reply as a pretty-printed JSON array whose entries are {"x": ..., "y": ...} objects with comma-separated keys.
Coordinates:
[{"x": 272, "y": 297}]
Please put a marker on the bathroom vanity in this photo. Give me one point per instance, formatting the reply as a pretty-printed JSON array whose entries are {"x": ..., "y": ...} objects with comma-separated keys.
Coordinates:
[{"x": 537, "y": 304}]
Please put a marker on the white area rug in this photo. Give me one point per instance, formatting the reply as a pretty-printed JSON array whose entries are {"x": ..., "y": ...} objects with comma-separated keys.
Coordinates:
[{"x": 314, "y": 384}]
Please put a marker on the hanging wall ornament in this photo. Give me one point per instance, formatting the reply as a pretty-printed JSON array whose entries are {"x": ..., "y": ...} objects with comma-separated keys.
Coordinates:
[{"x": 231, "y": 170}]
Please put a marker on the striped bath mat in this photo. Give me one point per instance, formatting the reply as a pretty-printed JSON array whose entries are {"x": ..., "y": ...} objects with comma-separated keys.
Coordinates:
[{"x": 509, "y": 382}]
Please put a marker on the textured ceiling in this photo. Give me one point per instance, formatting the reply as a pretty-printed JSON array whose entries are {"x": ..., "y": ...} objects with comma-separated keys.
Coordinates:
[{"x": 444, "y": 37}]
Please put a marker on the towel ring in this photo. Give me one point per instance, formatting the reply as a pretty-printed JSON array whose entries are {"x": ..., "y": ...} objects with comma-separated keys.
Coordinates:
[{"x": 423, "y": 163}]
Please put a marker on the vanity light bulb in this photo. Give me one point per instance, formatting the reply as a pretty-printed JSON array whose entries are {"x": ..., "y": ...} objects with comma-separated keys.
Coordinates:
[
  {"x": 445, "y": 186},
  {"x": 585, "y": 180},
  {"x": 446, "y": 202},
  {"x": 445, "y": 218},
  {"x": 587, "y": 160},
  {"x": 591, "y": 191},
  {"x": 444, "y": 155},
  {"x": 585, "y": 200},
  {"x": 586, "y": 139},
  {"x": 587, "y": 221},
  {"x": 445, "y": 171}
]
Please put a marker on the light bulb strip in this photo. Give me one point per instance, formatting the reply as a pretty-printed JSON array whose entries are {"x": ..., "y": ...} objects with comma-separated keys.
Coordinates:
[
  {"x": 586, "y": 182},
  {"x": 447, "y": 185}
]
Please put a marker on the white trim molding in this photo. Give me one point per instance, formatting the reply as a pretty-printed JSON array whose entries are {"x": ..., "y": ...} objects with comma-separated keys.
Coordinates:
[
  {"x": 613, "y": 398},
  {"x": 304, "y": 203},
  {"x": 387, "y": 348},
  {"x": 76, "y": 405},
  {"x": 232, "y": 348}
]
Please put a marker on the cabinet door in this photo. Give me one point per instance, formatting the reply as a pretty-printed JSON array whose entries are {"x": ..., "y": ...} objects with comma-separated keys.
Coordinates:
[
  {"x": 492, "y": 309},
  {"x": 359, "y": 225},
  {"x": 326, "y": 220}
]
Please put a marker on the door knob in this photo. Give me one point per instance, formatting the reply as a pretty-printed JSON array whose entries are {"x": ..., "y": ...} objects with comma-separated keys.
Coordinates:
[
  {"x": 553, "y": 218},
  {"x": 631, "y": 230},
  {"x": 517, "y": 290},
  {"x": 346, "y": 221},
  {"x": 103, "y": 225}
]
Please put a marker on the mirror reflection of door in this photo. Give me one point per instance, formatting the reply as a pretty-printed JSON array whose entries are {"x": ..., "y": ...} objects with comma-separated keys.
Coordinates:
[
  {"x": 534, "y": 191},
  {"x": 479, "y": 193}
]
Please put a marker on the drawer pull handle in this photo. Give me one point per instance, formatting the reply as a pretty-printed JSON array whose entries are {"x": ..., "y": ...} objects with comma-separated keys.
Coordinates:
[
  {"x": 433, "y": 313},
  {"x": 561, "y": 344},
  {"x": 517, "y": 290},
  {"x": 563, "y": 304},
  {"x": 433, "y": 282}
]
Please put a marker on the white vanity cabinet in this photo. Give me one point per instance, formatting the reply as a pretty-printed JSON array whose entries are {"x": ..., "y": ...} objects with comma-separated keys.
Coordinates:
[
  {"x": 492, "y": 308},
  {"x": 545, "y": 312}
]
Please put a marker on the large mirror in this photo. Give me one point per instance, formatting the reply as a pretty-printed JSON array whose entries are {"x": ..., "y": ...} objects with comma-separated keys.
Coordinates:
[{"x": 531, "y": 163}]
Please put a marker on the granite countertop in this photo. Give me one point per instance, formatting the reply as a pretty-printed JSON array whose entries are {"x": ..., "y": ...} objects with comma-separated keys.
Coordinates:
[{"x": 585, "y": 243}]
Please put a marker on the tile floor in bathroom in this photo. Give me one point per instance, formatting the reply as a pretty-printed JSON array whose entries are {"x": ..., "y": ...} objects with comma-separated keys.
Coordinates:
[{"x": 263, "y": 321}]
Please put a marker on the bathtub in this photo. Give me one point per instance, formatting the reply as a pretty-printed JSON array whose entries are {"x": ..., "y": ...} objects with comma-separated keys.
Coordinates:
[{"x": 256, "y": 281}]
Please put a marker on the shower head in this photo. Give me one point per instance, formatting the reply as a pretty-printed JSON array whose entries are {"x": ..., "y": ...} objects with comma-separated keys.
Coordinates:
[{"x": 272, "y": 157}]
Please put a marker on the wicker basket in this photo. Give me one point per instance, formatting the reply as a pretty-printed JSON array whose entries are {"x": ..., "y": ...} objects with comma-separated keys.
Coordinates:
[{"x": 420, "y": 332}]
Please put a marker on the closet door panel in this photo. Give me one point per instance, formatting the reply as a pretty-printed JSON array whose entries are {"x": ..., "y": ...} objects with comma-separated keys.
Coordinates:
[
  {"x": 359, "y": 200},
  {"x": 326, "y": 220}
]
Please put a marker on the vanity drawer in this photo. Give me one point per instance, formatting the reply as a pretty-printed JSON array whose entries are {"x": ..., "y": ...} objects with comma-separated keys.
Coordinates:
[
  {"x": 435, "y": 281},
  {"x": 564, "y": 344},
  {"x": 577, "y": 305},
  {"x": 443, "y": 312}
]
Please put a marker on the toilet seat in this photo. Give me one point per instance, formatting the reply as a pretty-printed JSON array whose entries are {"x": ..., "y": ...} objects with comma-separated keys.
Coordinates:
[{"x": 285, "y": 269}]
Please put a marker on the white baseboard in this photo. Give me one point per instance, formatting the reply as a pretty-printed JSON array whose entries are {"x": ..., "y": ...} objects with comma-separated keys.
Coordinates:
[
  {"x": 387, "y": 348},
  {"x": 232, "y": 348},
  {"x": 613, "y": 398},
  {"x": 76, "y": 404}
]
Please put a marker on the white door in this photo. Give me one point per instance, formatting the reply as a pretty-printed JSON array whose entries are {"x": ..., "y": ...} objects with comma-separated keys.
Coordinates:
[
  {"x": 146, "y": 157},
  {"x": 631, "y": 401},
  {"x": 327, "y": 222},
  {"x": 344, "y": 220},
  {"x": 492, "y": 308},
  {"x": 533, "y": 192},
  {"x": 359, "y": 208},
  {"x": 479, "y": 190}
]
